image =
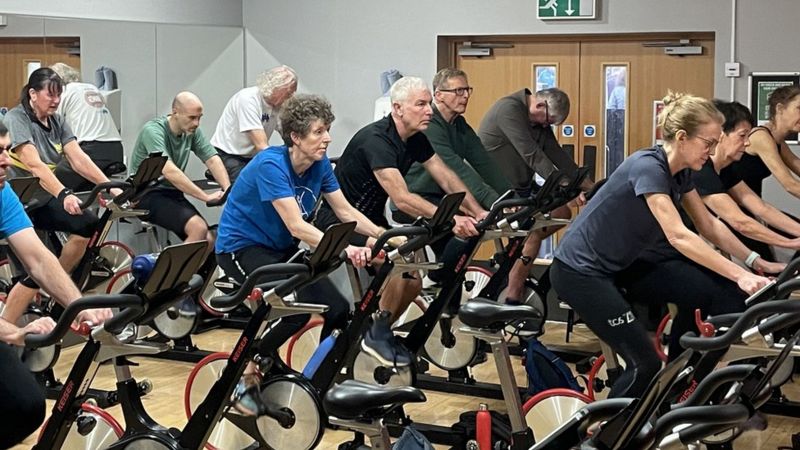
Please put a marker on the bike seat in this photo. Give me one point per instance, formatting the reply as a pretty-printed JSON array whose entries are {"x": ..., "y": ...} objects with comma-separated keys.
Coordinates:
[
  {"x": 485, "y": 313},
  {"x": 353, "y": 399},
  {"x": 115, "y": 168}
]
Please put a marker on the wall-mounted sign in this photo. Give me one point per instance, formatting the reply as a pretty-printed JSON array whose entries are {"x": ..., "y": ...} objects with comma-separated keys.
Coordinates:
[
  {"x": 761, "y": 86},
  {"x": 589, "y": 131},
  {"x": 30, "y": 66},
  {"x": 567, "y": 131},
  {"x": 658, "y": 106},
  {"x": 565, "y": 9}
]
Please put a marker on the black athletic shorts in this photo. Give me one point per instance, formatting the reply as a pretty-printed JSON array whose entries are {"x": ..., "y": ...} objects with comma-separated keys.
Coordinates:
[{"x": 168, "y": 208}]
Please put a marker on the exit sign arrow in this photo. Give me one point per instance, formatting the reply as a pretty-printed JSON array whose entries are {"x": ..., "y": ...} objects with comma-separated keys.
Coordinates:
[
  {"x": 569, "y": 9},
  {"x": 565, "y": 9}
]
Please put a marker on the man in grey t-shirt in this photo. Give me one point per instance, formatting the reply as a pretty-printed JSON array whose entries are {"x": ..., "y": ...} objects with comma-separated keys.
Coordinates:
[{"x": 517, "y": 133}]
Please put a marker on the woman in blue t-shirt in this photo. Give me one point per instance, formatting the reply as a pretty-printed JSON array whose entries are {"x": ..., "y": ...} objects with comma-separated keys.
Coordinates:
[
  {"x": 269, "y": 211},
  {"x": 636, "y": 206}
]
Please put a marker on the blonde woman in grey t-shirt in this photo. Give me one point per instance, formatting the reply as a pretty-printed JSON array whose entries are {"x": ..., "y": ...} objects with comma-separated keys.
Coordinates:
[{"x": 628, "y": 215}]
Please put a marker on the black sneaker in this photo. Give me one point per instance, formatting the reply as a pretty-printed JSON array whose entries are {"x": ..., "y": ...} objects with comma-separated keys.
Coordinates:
[{"x": 379, "y": 342}]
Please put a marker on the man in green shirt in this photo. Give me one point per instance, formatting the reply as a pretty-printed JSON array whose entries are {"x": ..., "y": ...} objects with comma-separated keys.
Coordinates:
[
  {"x": 176, "y": 135},
  {"x": 457, "y": 144}
]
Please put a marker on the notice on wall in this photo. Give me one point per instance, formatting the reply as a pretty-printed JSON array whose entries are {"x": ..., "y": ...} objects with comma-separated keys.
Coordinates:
[
  {"x": 31, "y": 66},
  {"x": 761, "y": 86},
  {"x": 658, "y": 106}
]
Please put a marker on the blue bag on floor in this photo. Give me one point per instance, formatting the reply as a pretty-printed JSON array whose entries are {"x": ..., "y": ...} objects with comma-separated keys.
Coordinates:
[
  {"x": 546, "y": 370},
  {"x": 412, "y": 439}
]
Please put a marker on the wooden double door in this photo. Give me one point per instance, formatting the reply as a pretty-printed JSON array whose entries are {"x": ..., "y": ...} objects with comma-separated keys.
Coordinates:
[
  {"x": 614, "y": 84},
  {"x": 20, "y": 56}
]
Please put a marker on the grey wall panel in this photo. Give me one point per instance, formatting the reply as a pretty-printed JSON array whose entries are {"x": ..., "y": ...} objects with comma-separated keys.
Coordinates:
[
  {"x": 352, "y": 41},
  {"x": 130, "y": 49},
  {"x": 206, "y": 12}
]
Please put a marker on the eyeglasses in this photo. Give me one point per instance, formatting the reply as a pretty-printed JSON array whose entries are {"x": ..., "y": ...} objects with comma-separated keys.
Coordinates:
[
  {"x": 711, "y": 144},
  {"x": 460, "y": 91},
  {"x": 6, "y": 148}
]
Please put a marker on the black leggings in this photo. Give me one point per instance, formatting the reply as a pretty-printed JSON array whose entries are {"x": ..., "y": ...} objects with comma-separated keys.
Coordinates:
[
  {"x": 600, "y": 304},
  {"x": 21, "y": 397},
  {"x": 322, "y": 292},
  {"x": 53, "y": 217},
  {"x": 687, "y": 285}
]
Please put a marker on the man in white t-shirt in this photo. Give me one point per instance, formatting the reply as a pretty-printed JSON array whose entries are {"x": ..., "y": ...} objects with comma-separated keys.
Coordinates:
[
  {"x": 84, "y": 109},
  {"x": 250, "y": 117}
]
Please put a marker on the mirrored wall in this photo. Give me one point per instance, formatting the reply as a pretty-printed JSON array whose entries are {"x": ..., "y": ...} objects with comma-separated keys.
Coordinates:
[{"x": 152, "y": 62}]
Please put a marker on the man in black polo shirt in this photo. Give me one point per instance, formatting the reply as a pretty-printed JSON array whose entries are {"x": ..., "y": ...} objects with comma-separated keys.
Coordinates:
[{"x": 371, "y": 171}]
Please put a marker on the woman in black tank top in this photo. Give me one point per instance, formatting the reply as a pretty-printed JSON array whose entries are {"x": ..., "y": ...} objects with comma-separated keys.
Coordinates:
[
  {"x": 751, "y": 169},
  {"x": 762, "y": 159}
]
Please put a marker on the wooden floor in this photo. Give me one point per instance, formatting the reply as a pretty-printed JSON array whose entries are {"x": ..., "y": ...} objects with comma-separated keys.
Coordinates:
[{"x": 165, "y": 403}]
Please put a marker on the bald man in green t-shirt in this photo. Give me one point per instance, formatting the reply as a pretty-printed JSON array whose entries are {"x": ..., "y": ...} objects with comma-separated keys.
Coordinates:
[{"x": 176, "y": 136}]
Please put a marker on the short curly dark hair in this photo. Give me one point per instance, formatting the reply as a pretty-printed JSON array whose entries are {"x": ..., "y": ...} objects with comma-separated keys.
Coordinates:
[{"x": 300, "y": 111}]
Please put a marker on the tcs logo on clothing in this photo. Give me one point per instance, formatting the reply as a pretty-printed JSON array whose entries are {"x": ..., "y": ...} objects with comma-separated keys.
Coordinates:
[{"x": 628, "y": 317}]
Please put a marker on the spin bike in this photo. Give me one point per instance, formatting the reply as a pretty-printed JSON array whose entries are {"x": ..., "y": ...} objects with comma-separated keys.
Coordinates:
[
  {"x": 171, "y": 270},
  {"x": 95, "y": 268},
  {"x": 457, "y": 353},
  {"x": 703, "y": 364},
  {"x": 173, "y": 326},
  {"x": 554, "y": 193},
  {"x": 746, "y": 388},
  {"x": 333, "y": 360}
]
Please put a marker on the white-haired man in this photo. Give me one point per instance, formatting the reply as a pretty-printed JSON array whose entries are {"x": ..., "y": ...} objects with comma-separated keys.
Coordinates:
[
  {"x": 85, "y": 111},
  {"x": 250, "y": 117},
  {"x": 371, "y": 170}
]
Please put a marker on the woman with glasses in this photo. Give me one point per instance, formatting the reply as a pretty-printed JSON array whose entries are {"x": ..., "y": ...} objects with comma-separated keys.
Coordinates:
[
  {"x": 664, "y": 275},
  {"x": 728, "y": 193},
  {"x": 628, "y": 215}
]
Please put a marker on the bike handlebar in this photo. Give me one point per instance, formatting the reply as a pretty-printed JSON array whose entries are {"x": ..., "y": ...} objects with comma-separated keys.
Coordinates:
[
  {"x": 131, "y": 306},
  {"x": 421, "y": 234},
  {"x": 100, "y": 187},
  {"x": 790, "y": 270},
  {"x": 220, "y": 201},
  {"x": 497, "y": 209},
  {"x": 709, "y": 417},
  {"x": 745, "y": 321},
  {"x": 294, "y": 270}
]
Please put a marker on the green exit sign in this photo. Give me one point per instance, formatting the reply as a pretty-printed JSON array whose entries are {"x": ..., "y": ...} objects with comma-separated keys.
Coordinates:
[{"x": 566, "y": 9}]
